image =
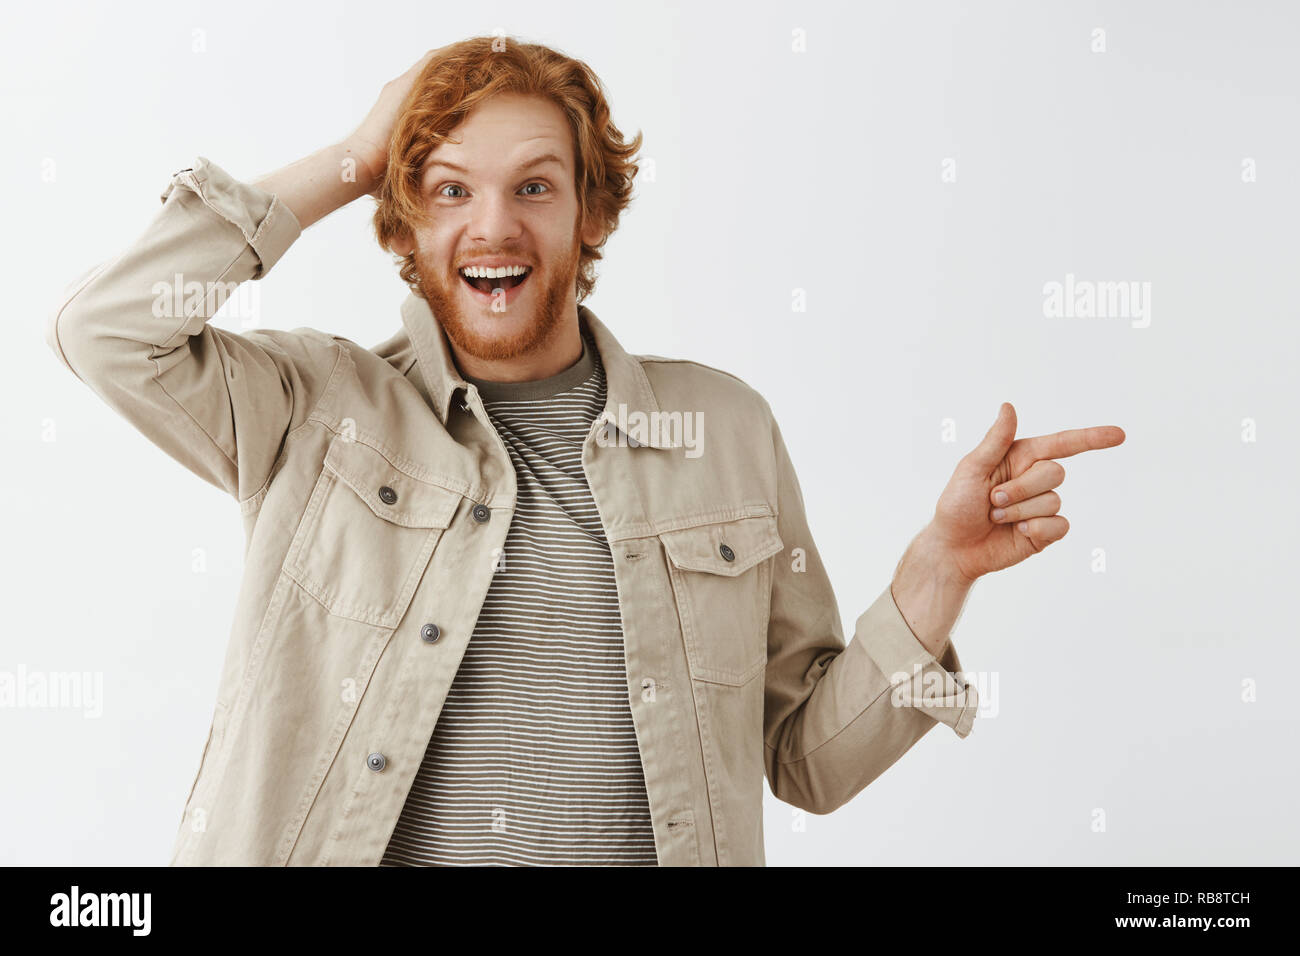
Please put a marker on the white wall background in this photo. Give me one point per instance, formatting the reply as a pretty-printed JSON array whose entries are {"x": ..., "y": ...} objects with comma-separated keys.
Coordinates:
[{"x": 774, "y": 170}]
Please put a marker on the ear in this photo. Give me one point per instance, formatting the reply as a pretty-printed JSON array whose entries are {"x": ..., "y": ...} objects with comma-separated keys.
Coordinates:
[
  {"x": 402, "y": 245},
  {"x": 592, "y": 234}
]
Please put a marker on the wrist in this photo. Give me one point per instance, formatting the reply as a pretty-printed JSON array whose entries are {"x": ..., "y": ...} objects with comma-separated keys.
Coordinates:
[
  {"x": 929, "y": 549},
  {"x": 370, "y": 160},
  {"x": 930, "y": 591}
]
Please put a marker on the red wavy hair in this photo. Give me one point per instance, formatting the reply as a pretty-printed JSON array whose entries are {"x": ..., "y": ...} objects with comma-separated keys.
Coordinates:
[{"x": 462, "y": 75}]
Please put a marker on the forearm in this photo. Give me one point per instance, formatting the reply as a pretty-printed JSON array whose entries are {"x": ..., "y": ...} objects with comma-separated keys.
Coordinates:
[
  {"x": 929, "y": 592},
  {"x": 328, "y": 179}
]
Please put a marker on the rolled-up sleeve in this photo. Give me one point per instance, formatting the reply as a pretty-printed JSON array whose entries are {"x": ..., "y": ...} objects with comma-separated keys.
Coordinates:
[
  {"x": 937, "y": 686},
  {"x": 135, "y": 329},
  {"x": 267, "y": 224}
]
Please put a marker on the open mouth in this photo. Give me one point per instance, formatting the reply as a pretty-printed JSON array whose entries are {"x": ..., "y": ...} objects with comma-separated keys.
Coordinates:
[{"x": 488, "y": 285}]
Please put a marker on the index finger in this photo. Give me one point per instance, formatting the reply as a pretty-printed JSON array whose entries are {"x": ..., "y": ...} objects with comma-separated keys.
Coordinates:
[{"x": 1072, "y": 442}]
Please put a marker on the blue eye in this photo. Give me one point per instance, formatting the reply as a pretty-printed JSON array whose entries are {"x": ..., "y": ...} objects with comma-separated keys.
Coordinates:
[{"x": 443, "y": 191}]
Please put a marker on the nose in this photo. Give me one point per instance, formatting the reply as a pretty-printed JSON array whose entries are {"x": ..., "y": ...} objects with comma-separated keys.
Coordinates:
[{"x": 494, "y": 221}]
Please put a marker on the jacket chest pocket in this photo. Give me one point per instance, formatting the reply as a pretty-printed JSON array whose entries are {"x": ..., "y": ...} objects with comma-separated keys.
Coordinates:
[
  {"x": 367, "y": 534},
  {"x": 722, "y": 581}
]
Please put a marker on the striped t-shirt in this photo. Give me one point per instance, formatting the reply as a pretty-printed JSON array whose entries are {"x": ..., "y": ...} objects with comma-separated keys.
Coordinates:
[{"x": 534, "y": 760}]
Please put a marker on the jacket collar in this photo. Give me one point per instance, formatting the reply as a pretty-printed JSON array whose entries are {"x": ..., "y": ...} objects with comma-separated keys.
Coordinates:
[{"x": 626, "y": 383}]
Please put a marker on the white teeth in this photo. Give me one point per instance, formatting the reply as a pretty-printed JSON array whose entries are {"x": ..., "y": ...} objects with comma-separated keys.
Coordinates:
[{"x": 481, "y": 272}]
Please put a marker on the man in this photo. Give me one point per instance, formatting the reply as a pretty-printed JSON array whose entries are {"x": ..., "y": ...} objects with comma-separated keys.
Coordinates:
[{"x": 512, "y": 595}]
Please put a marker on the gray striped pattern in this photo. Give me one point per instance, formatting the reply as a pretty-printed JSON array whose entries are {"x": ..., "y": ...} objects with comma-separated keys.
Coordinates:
[{"x": 534, "y": 760}]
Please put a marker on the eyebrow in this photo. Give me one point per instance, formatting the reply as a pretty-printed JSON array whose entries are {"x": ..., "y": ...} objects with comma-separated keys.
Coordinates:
[{"x": 526, "y": 164}]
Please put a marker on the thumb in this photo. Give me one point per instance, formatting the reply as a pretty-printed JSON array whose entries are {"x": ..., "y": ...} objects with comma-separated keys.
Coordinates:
[{"x": 988, "y": 453}]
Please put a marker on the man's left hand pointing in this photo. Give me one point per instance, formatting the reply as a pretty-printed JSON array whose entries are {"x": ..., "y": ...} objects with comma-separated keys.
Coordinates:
[{"x": 999, "y": 507}]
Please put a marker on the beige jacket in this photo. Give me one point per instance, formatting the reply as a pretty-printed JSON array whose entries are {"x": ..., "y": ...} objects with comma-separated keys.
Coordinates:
[{"x": 375, "y": 497}]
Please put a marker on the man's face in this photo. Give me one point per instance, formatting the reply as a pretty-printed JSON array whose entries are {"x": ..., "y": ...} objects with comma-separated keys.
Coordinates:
[{"x": 502, "y": 192}]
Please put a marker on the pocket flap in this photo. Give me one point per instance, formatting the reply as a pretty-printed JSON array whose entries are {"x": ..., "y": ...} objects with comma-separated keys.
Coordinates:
[
  {"x": 706, "y": 547},
  {"x": 390, "y": 493}
]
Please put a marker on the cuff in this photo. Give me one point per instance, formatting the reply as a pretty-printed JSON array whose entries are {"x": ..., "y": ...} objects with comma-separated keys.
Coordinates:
[
  {"x": 937, "y": 688},
  {"x": 267, "y": 224}
]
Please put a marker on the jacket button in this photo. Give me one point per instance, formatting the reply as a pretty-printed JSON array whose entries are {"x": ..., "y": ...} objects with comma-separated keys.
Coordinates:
[
  {"x": 429, "y": 632},
  {"x": 387, "y": 495},
  {"x": 481, "y": 513},
  {"x": 727, "y": 553},
  {"x": 376, "y": 762}
]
